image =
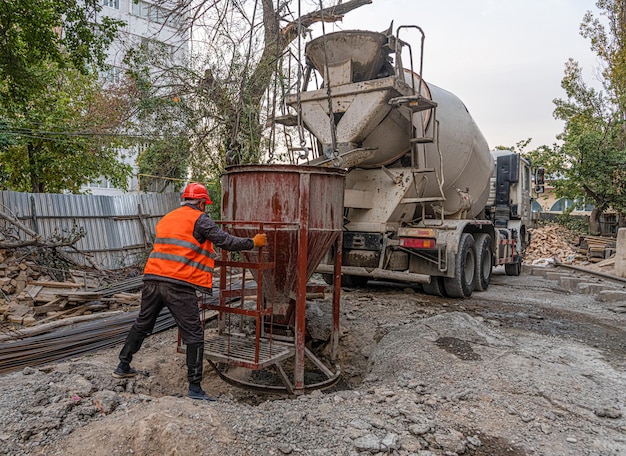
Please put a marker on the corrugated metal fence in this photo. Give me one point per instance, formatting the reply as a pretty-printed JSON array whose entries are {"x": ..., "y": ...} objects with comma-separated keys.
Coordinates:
[{"x": 118, "y": 229}]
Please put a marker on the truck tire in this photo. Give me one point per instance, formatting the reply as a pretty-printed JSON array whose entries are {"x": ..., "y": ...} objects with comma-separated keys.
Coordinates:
[
  {"x": 513, "y": 269},
  {"x": 484, "y": 261},
  {"x": 435, "y": 287},
  {"x": 462, "y": 284}
]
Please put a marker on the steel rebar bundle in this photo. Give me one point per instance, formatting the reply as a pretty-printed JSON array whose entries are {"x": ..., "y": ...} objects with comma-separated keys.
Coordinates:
[
  {"x": 83, "y": 337},
  {"x": 67, "y": 342}
]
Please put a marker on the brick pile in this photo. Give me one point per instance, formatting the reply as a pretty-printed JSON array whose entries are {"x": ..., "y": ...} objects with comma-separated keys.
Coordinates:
[{"x": 553, "y": 240}]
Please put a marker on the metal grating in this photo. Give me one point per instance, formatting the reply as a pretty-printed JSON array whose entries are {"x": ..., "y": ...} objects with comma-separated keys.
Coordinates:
[{"x": 241, "y": 350}]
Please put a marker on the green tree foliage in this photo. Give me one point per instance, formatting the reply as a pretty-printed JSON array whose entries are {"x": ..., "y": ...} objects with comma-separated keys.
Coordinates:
[
  {"x": 40, "y": 32},
  {"x": 65, "y": 138},
  {"x": 519, "y": 147},
  {"x": 164, "y": 115},
  {"x": 57, "y": 124},
  {"x": 593, "y": 153},
  {"x": 589, "y": 166}
]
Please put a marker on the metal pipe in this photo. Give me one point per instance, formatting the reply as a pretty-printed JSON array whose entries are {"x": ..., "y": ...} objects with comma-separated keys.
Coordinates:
[
  {"x": 596, "y": 273},
  {"x": 376, "y": 273}
]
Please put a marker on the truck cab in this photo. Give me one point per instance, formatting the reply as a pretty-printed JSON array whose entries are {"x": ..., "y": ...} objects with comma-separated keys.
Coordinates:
[{"x": 510, "y": 196}]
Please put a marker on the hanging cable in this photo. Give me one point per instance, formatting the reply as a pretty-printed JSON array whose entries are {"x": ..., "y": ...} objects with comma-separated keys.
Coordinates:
[
  {"x": 304, "y": 150},
  {"x": 232, "y": 155},
  {"x": 334, "y": 153}
]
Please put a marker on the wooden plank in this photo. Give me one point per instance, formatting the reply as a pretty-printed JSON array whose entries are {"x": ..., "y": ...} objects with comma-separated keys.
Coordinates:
[
  {"x": 65, "y": 312},
  {"x": 45, "y": 297},
  {"x": 33, "y": 290},
  {"x": 54, "y": 305},
  {"x": 607, "y": 262},
  {"x": 50, "y": 284}
]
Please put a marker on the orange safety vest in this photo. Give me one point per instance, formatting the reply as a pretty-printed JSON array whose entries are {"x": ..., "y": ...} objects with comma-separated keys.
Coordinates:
[{"x": 177, "y": 254}]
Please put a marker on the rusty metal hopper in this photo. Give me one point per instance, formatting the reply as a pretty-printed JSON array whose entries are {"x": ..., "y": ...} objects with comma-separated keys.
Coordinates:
[
  {"x": 301, "y": 209},
  {"x": 364, "y": 49}
]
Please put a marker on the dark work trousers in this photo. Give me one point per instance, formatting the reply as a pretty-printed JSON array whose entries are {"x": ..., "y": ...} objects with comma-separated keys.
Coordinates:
[{"x": 182, "y": 302}]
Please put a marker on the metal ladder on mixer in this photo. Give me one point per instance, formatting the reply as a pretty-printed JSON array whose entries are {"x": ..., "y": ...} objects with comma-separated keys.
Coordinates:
[{"x": 417, "y": 103}]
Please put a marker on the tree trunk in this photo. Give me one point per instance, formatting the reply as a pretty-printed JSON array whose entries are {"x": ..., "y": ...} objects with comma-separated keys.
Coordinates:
[
  {"x": 594, "y": 221},
  {"x": 36, "y": 186},
  {"x": 276, "y": 40}
]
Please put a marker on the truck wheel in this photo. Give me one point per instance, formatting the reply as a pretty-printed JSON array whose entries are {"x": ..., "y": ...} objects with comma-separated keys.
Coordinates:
[
  {"x": 462, "y": 284},
  {"x": 435, "y": 287},
  {"x": 513, "y": 269},
  {"x": 484, "y": 261}
]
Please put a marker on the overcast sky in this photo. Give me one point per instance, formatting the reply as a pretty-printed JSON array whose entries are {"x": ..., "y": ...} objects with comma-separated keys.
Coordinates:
[{"x": 503, "y": 58}]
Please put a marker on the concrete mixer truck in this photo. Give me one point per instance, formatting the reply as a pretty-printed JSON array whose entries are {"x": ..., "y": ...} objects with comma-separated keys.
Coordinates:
[{"x": 425, "y": 200}]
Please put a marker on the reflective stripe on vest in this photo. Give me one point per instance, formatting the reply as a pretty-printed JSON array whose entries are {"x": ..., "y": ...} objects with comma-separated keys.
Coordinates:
[{"x": 177, "y": 254}]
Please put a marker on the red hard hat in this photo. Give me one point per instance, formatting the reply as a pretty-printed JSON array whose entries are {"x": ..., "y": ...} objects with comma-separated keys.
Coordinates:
[{"x": 196, "y": 191}]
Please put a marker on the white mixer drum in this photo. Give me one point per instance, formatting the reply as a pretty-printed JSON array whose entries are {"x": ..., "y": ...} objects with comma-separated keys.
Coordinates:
[{"x": 467, "y": 163}]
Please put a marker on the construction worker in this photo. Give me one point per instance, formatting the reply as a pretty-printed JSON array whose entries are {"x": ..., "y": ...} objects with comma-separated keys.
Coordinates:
[{"x": 180, "y": 263}]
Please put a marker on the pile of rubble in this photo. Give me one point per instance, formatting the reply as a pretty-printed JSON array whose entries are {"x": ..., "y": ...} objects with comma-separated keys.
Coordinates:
[
  {"x": 29, "y": 296},
  {"x": 555, "y": 243},
  {"x": 550, "y": 241}
]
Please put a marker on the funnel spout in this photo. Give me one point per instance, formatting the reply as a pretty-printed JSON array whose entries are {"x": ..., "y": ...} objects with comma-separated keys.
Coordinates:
[{"x": 351, "y": 56}]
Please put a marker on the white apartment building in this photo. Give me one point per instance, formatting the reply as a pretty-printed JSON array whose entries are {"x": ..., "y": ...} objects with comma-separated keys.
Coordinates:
[{"x": 145, "y": 21}]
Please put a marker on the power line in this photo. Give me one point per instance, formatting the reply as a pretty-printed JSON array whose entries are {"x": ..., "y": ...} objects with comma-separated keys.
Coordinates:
[{"x": 49, "y": 135}]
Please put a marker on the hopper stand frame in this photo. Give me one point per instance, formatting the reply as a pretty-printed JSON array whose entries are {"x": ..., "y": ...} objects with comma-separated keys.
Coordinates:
[{"x": 242, "y": 299}]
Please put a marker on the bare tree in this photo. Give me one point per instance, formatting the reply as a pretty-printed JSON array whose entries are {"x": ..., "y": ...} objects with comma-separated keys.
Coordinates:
[{"x": 239, "y": 48}]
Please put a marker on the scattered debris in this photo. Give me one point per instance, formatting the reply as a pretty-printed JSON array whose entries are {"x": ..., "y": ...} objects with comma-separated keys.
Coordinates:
[
  {"x": 29, "y": 296},
  {"x": 552, "y": 240},
  {"x": 596, "y": 248}
]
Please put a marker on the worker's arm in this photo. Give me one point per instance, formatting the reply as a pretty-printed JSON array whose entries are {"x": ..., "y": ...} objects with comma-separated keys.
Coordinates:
[{"x": 207, "y": 229}]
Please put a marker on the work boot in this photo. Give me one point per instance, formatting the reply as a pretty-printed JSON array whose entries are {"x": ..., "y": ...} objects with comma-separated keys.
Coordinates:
[
  {"x": 124, "y": 370},
  {"x": 196, "y": 392}
]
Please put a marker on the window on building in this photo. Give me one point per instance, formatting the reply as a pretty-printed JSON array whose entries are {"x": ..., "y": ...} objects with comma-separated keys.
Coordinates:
[
  {"x": 152, "y": 45},
  {"x": 563, "y": 204},
  {"x": 112, "y": 3},
  {"x": 536, "y": 207},
  {"x": 585, "y": 207},
  {"x": 113, "y": 75},
  {"x": 140, "y": 9},
  {"x": 100, "y": 183},
  {"x": 156, "y": 14}
]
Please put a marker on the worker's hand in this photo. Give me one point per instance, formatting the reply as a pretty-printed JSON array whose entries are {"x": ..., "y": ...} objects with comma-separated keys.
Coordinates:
[{"x": 260, "y": 240}]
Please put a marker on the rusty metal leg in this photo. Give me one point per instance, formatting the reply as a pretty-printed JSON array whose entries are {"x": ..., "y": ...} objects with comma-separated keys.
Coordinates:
[
  {"x": 320, "y": 365},
  {"x": 336, "y": 297},
  {"x": 285, "y": 378},
  {"x": 303, "y": 241}
]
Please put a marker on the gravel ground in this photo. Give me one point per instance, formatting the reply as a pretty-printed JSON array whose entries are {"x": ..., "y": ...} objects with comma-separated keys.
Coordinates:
[{"x": 524, "y": 368}]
